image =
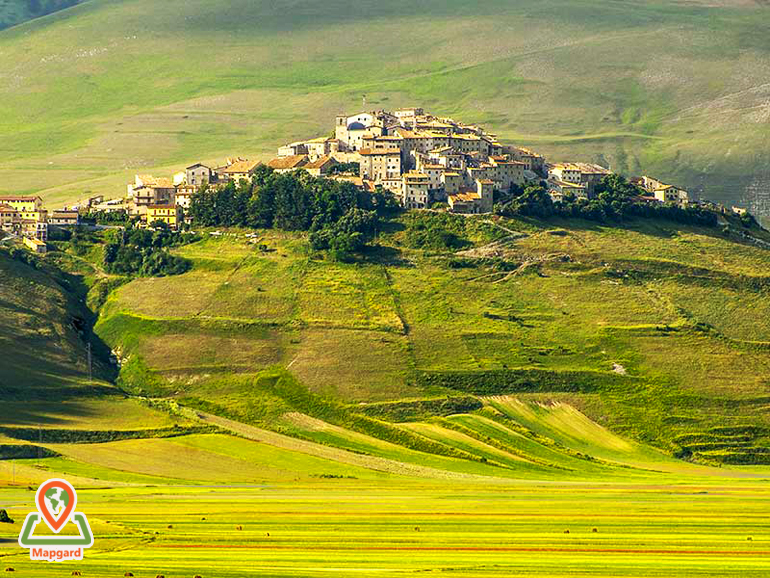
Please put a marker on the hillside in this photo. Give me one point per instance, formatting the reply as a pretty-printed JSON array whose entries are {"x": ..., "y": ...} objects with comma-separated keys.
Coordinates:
[
  {"x": 643, "y": 328},
  {"x": 14, "y": 12},
  {"x": 43, "y": 330},
  {"x": 677, "y": 89}
]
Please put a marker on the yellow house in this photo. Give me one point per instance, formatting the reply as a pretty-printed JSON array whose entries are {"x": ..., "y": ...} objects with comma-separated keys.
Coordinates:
[
  {"x": 35, "y": 245},
  {"x": 169, "y": 214},
  {"x": 30, "y": 208}
]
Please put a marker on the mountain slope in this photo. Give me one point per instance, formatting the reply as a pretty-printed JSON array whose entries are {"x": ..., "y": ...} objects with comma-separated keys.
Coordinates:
[
  {"x": 13, "y": 12},
  {"x": 41, "y": 328},
  {"x": 677, "y": 89}
]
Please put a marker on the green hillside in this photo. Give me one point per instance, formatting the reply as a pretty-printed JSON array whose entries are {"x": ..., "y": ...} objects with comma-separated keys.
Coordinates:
[
  {"x": 677, "y": 89},
  {"x": 43, "y": 329},
  {"x": 13, "y": 12},
  {"x": 644, "y": 328}
]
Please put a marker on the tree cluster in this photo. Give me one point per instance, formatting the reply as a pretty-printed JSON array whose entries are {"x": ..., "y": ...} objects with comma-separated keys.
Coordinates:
[
  {"x": 144, "y": 252},
  {"x": 109, "y": 218},
  {"x": 345, "y": 168},
  {"x": 615, "y": 200},
  {"x": 339, "y": 217}
]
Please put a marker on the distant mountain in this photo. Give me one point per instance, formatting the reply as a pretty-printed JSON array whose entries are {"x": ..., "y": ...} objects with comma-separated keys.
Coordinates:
[
  {"x": 13, "y": 12},
  {"x": 106, "y": 89}
]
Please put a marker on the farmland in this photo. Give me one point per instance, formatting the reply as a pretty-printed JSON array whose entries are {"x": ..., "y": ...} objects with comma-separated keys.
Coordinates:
[
  {"x": 676, "y": 89},
  {"x": 381, "y": 525}
]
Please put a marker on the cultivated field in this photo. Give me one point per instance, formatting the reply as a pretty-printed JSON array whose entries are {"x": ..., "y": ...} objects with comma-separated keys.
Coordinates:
[{"x": 668, "y": 526}]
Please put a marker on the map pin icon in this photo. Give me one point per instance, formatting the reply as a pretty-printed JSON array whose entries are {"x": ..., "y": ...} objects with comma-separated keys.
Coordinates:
[{"x": 56, "y": 500}]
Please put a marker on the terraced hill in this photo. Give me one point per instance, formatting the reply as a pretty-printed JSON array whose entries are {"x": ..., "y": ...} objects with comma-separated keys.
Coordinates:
[
  {"x": 646, "y": 329},
  {"x": 678, "y": 89}
]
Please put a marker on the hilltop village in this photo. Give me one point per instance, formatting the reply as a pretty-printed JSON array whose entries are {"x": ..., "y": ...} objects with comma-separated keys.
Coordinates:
[{"x": 419, "y": 158}]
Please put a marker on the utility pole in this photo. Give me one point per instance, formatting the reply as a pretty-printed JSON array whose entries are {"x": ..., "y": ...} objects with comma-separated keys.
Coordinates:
[
  {"x": 90, "y": 366},
  {"x": 39, "y": 444}
]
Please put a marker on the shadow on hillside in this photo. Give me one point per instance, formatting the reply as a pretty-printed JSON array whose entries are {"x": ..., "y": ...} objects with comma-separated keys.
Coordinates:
[
  {"x": 383, "y": 255},
  {"x": 38, "y": 413}
]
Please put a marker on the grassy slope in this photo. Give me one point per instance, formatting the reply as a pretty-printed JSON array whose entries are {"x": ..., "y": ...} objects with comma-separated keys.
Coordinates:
[
  {"x": 40, "y": 341},
  {"x": 677, "y": 89},
  {"x": 659, "y": 302}
]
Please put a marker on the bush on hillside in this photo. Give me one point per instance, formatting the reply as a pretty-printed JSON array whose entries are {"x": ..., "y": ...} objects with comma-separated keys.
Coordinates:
[
  {"x": 143, "y": 252},
  {"x": 403, "y": 411},
  {"x": 507, "y": 381}
]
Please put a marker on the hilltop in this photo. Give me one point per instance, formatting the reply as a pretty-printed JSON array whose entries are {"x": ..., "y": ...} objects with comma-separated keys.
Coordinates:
[{"x": 675, "y": 89}]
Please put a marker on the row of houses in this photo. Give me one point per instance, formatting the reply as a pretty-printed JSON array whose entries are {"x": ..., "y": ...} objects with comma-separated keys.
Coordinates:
[{"x": 24, "y": 216}]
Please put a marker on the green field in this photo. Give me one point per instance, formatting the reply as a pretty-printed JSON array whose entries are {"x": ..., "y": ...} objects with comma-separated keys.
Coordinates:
[
  {"x": 238, "y": 508},
  {"x": 675, "y": 88}
]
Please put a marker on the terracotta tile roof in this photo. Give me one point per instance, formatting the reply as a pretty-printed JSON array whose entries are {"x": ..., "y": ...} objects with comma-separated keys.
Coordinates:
[
  {"x": 585, "y": 168},
  {"x": 374, "y": 152},
  {"x": 243, "y": 166},
  {"x": 357, "y": 181},
  {"x": 290, "y": 162},
  {"x": 163, "y": 184},
  {"x": 17, "y": 198},
  {"x": 320, "y": 162},
  {"x": 467, "y": 197}
]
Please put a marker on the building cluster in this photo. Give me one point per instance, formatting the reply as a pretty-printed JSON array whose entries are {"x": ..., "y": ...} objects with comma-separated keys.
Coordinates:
[
  {"x": 23, "y": 216},
  {"x": 423, "y": 158},
  {"x": 152, "y": 199},
  {"x": 418, "y": 157}
]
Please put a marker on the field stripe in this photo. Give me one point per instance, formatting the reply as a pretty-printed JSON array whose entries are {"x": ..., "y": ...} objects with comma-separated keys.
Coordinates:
[{"x": 467, "y": 549}]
